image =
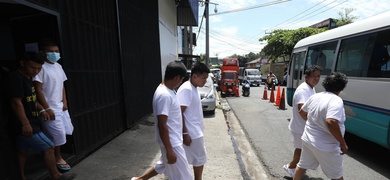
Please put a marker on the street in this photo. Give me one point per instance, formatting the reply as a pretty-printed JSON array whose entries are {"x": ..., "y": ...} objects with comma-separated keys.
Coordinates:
[{"x": 266, "y": 129}]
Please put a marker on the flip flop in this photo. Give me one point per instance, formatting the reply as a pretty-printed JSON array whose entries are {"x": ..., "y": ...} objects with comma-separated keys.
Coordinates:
[{"x": 63, "y": 167}]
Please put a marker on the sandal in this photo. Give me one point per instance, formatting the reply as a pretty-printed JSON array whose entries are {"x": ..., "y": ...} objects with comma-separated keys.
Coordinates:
[{"x": 63, "y": 167}]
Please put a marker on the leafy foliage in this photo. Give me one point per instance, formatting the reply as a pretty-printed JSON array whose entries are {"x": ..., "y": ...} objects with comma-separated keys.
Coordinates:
[
  {"x": 346, "y": 17},
  {"x": 281, "y": 42}
]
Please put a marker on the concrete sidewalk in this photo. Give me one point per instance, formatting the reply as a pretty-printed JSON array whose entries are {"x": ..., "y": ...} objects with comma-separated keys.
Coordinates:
[{"x": 230, "y": 155}]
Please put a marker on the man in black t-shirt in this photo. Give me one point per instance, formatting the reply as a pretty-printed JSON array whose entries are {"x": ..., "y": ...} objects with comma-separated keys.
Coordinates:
[{"x": 27, "y": 113}]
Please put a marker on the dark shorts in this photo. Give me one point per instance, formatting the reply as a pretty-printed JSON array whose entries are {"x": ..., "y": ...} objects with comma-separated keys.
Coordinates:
[{"x": 37, "y": 142}]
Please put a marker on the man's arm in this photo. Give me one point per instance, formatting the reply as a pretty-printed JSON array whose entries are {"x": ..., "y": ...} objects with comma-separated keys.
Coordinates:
[
  {"x": 301, "y": 112},
  {"x": 64, "y": 101},
  {"x": 164, "y": 135},
  {"x": 42, "y": 100},
  {"x": 186, "y": 137},
  {"x": 334, "y": 129},
  {"x": 18, "y": 109}
]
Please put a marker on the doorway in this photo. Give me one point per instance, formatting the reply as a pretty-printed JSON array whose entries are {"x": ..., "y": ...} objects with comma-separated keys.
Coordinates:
[{"x": 22, "y": 25}]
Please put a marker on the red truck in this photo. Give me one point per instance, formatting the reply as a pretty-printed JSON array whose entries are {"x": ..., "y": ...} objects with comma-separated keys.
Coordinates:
[{"x": 228, "y": 84}]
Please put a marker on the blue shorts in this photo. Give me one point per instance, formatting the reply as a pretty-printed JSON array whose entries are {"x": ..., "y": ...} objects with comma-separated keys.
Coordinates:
[{"x": 37, "y": 142}]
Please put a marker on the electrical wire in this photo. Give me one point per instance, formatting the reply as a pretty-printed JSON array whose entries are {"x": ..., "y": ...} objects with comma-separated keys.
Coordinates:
[
  {"x": 252, "y": 7},
  {"x": 216, "y": 36},
  {"x": 307, "y": 16},
  {"x": 300, "y": 13}
]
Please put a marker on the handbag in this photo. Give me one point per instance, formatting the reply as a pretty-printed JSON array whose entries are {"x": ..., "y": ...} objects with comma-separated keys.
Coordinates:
[{"x": 67, "y": 122}]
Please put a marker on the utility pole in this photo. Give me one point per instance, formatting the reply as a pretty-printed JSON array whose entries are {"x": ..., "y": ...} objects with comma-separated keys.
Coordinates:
[{"x": 207, "y": 31}]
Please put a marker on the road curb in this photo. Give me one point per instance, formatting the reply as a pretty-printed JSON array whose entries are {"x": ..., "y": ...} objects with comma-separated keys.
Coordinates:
[{"x": 250, "y": 164}]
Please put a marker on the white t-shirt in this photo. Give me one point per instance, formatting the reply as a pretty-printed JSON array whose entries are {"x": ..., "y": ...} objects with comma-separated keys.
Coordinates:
[
  {"x": 188, "y": 96},
  {"x": 52, "y": 77},
  {"x": 301, "y": 95},
  {"x": 165, "y": 103},
  {"x": 320, "y": 107}
]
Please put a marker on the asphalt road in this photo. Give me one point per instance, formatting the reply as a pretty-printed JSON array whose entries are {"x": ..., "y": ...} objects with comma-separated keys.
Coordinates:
[{"x": 266, "y": 128}]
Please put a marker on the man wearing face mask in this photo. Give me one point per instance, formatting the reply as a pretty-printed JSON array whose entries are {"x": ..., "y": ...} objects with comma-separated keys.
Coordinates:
[{"x": 49, "y": 84}]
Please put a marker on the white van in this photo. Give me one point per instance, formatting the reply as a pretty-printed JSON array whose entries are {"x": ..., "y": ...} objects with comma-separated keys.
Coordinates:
[{"x": 252, "y": 75}]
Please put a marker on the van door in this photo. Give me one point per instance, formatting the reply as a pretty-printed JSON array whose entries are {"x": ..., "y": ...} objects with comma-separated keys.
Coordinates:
[{"x": 296, "y": 69}]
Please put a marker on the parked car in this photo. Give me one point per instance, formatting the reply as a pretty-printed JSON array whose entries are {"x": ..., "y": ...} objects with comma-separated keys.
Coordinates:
[
  {"x": 217, "y": 75},
  {"x": 208, "y": 96}
]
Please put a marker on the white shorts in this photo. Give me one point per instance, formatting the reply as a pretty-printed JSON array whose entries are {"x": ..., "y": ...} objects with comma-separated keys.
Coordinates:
[
  {"x": 196, "y": 152},
  {"x": 296, "y": 140},
  {"x": 177, "y": 171},
  {"x": 331, "y": 162},
  {"x": 54, "y": 129}
]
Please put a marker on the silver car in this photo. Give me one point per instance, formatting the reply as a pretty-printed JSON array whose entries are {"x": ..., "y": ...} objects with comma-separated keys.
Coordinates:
[{"x": 208, "y": 96}]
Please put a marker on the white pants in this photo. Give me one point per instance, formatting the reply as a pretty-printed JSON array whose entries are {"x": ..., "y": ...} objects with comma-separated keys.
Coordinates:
[
  {"x": 177, "y": 171},
  {"x": 296, "y": 140},
  {"x": 54, "y": 129},
  {"x": 196, "y": 152},
  {"x": 331, "y": 162}
]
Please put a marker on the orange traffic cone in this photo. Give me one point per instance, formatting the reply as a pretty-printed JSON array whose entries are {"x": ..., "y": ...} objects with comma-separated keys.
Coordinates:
[
  {"x": 272, "y": 98},
  {"x": 277, "y": 97},
  {"x": 265, "y": 94},
  {"x": 282, "y": 105}
]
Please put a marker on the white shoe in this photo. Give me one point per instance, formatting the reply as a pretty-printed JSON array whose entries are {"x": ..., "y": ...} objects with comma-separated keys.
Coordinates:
[
  {"x": 288, "y": 170},
  {"x": 133, "y": 178}
]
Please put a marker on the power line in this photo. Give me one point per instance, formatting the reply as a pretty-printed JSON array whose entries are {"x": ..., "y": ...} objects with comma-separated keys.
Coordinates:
[
  {"x": 307, "y": 15},
  {"x": 298, "y": 14},
  {"x": 252, "y": 7},
  {"x": 236, "y": 46},
  {"x": 318, "y": 13}
]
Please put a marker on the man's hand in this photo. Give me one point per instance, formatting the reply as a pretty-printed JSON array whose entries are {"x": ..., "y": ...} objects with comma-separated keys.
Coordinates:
[
  {"x": 344, "y": 149},
  {"x": 27, "y": 130},
  {"x": 187, "y": 139},
  {"x": 171, "y": 156},
  {"x": 45, "y": 115},
  {"x": 52, "y": 116}
]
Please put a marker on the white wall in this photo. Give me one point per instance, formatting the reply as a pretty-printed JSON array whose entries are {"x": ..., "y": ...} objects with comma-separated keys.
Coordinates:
[{"x": 168, "y": 33}]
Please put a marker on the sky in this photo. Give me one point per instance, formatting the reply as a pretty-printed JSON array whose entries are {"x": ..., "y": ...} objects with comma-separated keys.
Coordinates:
[{"x": 239, "y": 24}]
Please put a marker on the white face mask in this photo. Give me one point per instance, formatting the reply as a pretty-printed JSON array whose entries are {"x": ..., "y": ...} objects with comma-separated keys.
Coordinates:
[{"x": 53, "y": 56}]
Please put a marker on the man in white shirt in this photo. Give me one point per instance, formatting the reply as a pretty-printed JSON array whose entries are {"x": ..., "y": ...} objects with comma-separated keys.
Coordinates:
[
  {"x": 323, "y": 138},
  {"x": 169, "y": 127},
  {"x": 297, "y": 123},
  {"x": 49, "y": 84},
  {"x": 193, "y": 126}
]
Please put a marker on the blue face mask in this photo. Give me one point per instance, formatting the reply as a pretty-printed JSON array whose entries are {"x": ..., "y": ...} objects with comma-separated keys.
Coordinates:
[{"x": 53, "y": 56}]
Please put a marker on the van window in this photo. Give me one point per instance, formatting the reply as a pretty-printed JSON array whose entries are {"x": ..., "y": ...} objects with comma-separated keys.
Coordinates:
[
  {"x": 354, "y": 55},
  {"x": 322, "y": 55}
]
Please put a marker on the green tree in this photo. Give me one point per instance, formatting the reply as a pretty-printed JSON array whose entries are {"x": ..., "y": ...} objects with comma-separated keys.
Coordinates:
[
  {"x": 252, "y": 55},
  {"x": 346, "y": 17},
  {"x": 281, "y": 42}
]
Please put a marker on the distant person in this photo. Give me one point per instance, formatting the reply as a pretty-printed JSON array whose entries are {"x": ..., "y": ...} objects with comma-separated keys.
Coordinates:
[
  {"x": 297, "y": 123},
  {"x": 379, "y": 57},
  {"x": 193, "y": 126},
  {"x": 27, "y": 114},
  {"x": 270, "y": 79},
  {"x": 49, "y": 84},
  {"x": 169, "y": 127},
  {"x": 323, "y": 141}
]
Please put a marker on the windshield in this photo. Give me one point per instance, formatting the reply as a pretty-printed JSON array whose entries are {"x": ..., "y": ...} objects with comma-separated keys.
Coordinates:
[
  {"x": 230, "y": 75},
  {"x": 253, "y": 72}
]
